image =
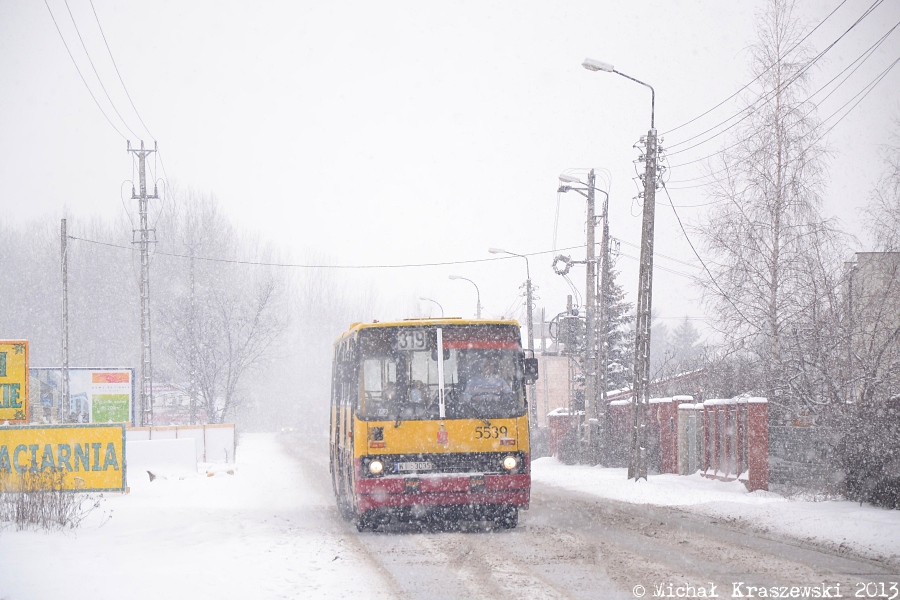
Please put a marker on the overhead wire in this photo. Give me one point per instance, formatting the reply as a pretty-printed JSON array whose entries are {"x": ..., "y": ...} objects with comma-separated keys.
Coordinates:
[
  {"x": 99, "y": 79},
  {"x": 748, "y": 84},
  {"x": 124, "y": 87},
  {"x": 697, "y": 254},
  {"x": 858, "y": 62},
  {"x": 764, "y": 98},
  {"x": 323, "y": 266},
  {"x": 124, "y": 137},
  {"x": 867, "y": 88},
  {"x": 752, "y": 108}
]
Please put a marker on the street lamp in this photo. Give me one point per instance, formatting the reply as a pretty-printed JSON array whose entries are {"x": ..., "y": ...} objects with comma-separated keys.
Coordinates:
[
  {"x": 436, "y": 302},
  {"x": 637, "y": 466},
  {"x": 590, "y": 358},
  {"x": 477, "y": 292},
  {"x": 528, "y": 309}
]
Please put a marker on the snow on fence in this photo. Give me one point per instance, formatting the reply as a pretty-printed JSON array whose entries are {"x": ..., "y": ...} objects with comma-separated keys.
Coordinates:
[
  {"x": 562, "y": 439},
  {"x": 732, "y": 440},
  {"x": 723, "y": 439},
  {"x": 212, "y": 443}
]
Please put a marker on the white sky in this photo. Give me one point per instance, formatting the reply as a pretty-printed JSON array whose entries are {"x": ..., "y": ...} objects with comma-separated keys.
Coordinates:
[{"x": 380, "y": 133}]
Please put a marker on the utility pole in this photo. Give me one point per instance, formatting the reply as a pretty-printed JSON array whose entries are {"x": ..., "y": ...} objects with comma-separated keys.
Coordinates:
[
  {"x": 590, "y": 302},
  {"x": 144, "y": 242},
  {"x": 529, "y": 302},
  {"x": 637, "y": 465},
  {"x": 604, "y": 324},
  {"x": 589, "y": 358},
  {"x": 193, "y": 349},
  {"x": 64, "y": 263}
]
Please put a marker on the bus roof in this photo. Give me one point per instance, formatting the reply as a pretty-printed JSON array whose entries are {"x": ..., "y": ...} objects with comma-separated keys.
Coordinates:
[{"x": 419, "y": 322}]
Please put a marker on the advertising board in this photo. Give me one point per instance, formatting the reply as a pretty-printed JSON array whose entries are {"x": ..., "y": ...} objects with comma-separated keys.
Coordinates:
[
  {"x": 13, "y": 381},
  {"x": 87, "y": 458},
  {"x": 96, "y": 395}
]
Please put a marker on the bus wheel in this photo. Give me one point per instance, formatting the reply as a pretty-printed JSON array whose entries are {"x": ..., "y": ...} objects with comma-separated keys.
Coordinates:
[{"x": 508, "y": 517}]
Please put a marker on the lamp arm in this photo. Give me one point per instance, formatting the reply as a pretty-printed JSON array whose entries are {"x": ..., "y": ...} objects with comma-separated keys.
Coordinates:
[{"x": 652, "y": 96}]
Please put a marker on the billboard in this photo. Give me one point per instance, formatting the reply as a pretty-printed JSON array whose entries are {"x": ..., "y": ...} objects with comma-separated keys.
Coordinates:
[
  {"x": 88, "y": 458},
  {"x": 96, "y": 395},
  {"x": 13, "y": 381}
]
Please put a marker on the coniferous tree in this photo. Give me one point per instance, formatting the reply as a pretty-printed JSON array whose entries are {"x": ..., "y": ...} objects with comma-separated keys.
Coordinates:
[{"x": 619, "y": 336}]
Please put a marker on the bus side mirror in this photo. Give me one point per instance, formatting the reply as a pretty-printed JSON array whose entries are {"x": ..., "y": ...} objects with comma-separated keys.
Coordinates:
[{"x": 531, "y": 370}]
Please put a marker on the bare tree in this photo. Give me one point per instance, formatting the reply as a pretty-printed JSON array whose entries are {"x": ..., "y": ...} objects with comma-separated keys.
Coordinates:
[
  {"x": 221, "y": 318},
  {"x": 765, "y": 232},
  {"x": 873, "y": 292}
]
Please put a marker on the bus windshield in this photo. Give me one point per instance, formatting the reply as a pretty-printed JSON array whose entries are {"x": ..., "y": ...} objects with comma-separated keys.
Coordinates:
[{"x": 482, "y": 373}]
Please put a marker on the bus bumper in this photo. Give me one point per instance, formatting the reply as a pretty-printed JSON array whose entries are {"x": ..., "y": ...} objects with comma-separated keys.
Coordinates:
[{"x": 444, "y": 490}]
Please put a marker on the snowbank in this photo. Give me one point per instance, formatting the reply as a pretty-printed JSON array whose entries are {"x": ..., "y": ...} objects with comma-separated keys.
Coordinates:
[{"x": 865, "y": 529}]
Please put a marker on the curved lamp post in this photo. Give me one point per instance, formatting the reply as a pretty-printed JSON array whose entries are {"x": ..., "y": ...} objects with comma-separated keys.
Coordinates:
[
  {"x": 591, "y": 383},
  {"x": 477, "y": 292},
  {"x": 528, "y": 303},
  {"x": 436, "y": 302},
  {"x": 637, "y": 465}
]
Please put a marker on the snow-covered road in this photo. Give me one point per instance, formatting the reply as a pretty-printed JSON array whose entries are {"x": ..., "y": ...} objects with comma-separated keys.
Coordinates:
[
  {"x": 263, "y": 532},
  {"x": 270, "y": 530}
]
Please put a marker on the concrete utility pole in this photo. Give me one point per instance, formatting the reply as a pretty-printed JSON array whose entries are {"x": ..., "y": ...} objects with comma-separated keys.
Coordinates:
[
  {"x": 604, "y": 319},
  {"x": 590, "y": 302},
  {"x": 64, "y": 263},
  {"x": 591, "y": 339},
  {"x": 193, "y": 349},
  {"x": 144, "y": 242},
  {"x": 637, "y": 465},
  {"x": 529, "y": 301}
]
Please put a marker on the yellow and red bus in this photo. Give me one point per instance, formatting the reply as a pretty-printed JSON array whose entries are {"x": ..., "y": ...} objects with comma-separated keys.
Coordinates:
[{"x": 429, "y": 421}]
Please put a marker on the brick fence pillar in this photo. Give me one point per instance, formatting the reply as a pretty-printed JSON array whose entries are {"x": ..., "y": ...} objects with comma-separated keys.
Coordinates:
[
  {"x": 668, "y": 437},
  {"x": 707, "y": 449},
  {"x": 758, "y": 444}
]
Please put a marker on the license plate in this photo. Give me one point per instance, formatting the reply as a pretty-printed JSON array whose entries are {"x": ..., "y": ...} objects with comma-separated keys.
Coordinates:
[{"x": 414, "y": 466}]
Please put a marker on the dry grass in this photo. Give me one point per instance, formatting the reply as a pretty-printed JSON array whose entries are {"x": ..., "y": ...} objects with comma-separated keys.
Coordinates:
[{"x": 39, "y": 500}]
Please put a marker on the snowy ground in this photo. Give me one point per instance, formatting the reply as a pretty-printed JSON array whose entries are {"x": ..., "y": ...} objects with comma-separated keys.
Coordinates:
[
  {"x": 266, "y": 531},
  {"x": 865, "y": 530},
  {"x": 258, "y": 533}
]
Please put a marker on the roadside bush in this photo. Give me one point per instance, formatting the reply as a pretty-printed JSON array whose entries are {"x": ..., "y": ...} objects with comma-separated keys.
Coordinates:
[{"x": 40, "y": 501}]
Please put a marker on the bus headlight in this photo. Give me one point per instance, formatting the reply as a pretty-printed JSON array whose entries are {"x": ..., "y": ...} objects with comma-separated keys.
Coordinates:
[
  {"x": 376, "y": 467},
  {"x": 510, "y": 463}
]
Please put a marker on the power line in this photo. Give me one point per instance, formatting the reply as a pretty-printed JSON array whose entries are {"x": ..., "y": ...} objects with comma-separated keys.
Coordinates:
[
  {"x": 767, "y": 96},
  {"x": 757, "y": 77},
  {"x": 867, "y": 88},
  {"x": 662, "y": 268},
  {"x": 871, "y": 86},
  {"x": 657, "y": 253},
  {"x": 119, "y": 74},
  {"x": 859, "y": 61},
  {"x": 311, "y": 266},
  {"x": 124, "y": 137},
  {"x": 697, "y": 254},
  {"x": 88, "y": 54}
]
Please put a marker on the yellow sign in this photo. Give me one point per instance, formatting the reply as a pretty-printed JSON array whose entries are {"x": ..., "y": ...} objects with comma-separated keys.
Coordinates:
[
  {"x": 78, "y": 457},
  {"x": 13, "y": 381}
]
